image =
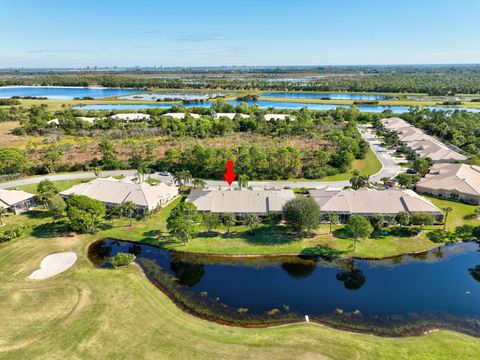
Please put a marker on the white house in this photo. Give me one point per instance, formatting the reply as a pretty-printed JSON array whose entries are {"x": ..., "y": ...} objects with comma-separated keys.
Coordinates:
[
  {"x": 113, "y": 192},
  {"x": 17, "y": 201}
]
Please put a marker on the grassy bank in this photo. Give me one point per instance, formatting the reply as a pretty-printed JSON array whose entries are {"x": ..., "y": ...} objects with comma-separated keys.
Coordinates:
[
  {"x": 468, "y": 104},
  {"x": 92, "y": 313}
]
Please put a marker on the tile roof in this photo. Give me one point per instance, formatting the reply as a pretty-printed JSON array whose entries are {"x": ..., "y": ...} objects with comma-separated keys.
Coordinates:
[{"x": 240, "y": 201}]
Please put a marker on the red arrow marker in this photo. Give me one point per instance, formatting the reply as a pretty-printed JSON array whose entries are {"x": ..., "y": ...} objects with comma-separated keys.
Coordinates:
[{"x": 229, "y": 175}]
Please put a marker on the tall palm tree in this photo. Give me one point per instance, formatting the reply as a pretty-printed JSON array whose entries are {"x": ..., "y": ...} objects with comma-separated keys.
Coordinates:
[
  {"x": 243, "y": 181},
  {"x": 182, "y": 178},
  {"x": 97, "y": 171},
  {"x": 199, "y": 183},
  {"x": 129, "y": 208},
  {"x": 141, "y": 171},
  {"x": 252, "y": 221},
  {"x": 3, "y": 211},
  {"x": 332, "y": 219},
  {"x": 447, "y": 210}
]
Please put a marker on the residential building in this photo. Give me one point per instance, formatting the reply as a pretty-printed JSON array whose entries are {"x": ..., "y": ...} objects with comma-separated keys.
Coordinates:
[
  {"x": 17, "y": 201},
  {"x": 425, "y": 146},
  {"x": 452, "y": 181},
  {"x": 369, "y": 202},
  {"x": 230, "y": 115},
  {"x": 275, "y": 117},
  {"x": 182, "y": 115},
  {"x": 131, "y": 117},
  {"x": 113, "y": 192},
  {"x": 240, "y": 201}
]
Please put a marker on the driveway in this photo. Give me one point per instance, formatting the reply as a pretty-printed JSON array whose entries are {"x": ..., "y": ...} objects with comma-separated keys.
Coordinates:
[{"x": 390, "y": 167}]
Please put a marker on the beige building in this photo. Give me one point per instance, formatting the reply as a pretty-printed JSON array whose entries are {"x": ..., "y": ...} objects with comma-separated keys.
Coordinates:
[
  {"x": 182, "y": 115},
  {"x": 17, "y": 201},
  {"x": 369, "y": 202},
  {"x": 425, "y": 146},
  {"x": 131, "y": 117},
  {"x": 452, "y": 181},
  {"x": 113, "y": 192},
  {"x": 275, "y": 117},
  {"x": 231, "y": 116},
  {"x": 240, "y": 202}
]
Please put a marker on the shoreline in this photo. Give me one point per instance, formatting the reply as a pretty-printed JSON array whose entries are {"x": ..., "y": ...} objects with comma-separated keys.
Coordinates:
[{"x": 415, "y": 330}]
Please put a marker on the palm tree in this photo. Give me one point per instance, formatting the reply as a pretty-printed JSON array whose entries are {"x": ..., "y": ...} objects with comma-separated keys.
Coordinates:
[
  {"x": 447, "y": 210},
  {"x": 199, "y": 183},
  {"x": 252, "y": 221},
  {"x": 3, "y": 211},
  {"x": 332, "y": 219},
  {"x": 129, "y": 207},
  {"x": 243, "y": 181},
  {"x": 182, "y": 178},
  {"x": 97, "y": 171},
  {"x": 141, "y": 171}
]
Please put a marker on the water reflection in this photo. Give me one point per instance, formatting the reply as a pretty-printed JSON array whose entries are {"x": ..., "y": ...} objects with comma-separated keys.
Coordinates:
[
  {"x": 352, "y": 277},
  {"x": 187, "y": 273},
  {"x": 475, "y": 272},
  {"x": 300, "y": 268}
]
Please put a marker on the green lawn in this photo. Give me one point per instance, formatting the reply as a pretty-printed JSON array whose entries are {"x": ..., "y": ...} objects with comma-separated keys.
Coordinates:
[
  {"x": 89, "y": 313},
  {"x": 368, "y": 166}
]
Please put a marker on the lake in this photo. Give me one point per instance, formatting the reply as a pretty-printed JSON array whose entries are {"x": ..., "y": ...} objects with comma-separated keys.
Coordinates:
[
  {"x": 172, "y": 95},
  {"x": 266, "y": 104},
  {"x": 333, "y": 96},
  {"x": 403, "y": 295},
  {"x": 61, "y": 93}
]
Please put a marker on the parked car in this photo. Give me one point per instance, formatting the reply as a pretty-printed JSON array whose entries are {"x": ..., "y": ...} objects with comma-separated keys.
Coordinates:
[
  {"x": 164, "y": 173},
  {"x": 411, "y": 171}
]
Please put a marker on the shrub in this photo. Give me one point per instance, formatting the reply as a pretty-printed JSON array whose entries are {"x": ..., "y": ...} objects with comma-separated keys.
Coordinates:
[
  {"x": 10, "y": 234},
  {"x": 121, "y": 259}
]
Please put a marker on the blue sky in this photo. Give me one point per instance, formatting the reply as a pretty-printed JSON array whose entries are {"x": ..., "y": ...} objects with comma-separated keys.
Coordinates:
[{"x": 51, "y": 33}]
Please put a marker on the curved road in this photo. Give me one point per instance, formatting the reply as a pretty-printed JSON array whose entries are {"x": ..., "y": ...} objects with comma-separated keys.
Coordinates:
[{"x": 390, "y": 168}]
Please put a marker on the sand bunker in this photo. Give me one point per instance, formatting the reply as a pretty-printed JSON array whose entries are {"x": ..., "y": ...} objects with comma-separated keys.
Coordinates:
[{"x": 54, "y": 264}]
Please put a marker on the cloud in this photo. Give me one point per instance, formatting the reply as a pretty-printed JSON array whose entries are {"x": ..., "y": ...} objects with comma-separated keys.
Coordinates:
[
  {"x": 152, "y": 32},
  {"x": 222, "y": 50},
  {"x": 56, "y": 51},
  {"x": 199, "y": 37}
]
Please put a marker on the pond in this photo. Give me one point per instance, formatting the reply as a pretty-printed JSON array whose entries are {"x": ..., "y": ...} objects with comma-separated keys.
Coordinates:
[
  {"x": 325, "y": 96},
  {"x": 170, "y": 96},
  {"x": 405, "y": 295},
  {"x": 61, "y": 93},
  {"x": 266, "y": 104}
]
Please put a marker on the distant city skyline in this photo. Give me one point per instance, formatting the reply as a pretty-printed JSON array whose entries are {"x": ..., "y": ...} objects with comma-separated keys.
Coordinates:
[{"x": 60, "y": 34}]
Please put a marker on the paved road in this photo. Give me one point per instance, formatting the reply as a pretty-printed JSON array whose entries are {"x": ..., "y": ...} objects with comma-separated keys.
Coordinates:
[{"x": 390, "y": 169}]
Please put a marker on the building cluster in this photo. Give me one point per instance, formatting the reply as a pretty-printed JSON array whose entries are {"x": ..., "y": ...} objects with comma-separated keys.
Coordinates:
[
  {"x": 369, "y": 202},
  {"x": 452, "y": 181},
  {"x": 113, "y": 192},
  {"x": 127, "y": 118},
  {"x": 240, "y": 201},
  {"x": 425, "y": 146}
]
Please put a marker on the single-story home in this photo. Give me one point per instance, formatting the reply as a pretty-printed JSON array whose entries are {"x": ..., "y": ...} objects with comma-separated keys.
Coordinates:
[
  {"x": 240, "y": 201},
  {"x": 17, "y": 201},
  {"x": 181, "y": 115},
  {"x": 369, "y": 202},
  {"x": 452, "y": 181},
  {"x": 131, "y": 117},
  {"x": 275, "y": 117},
  {"x": 230, "y": 115},
  {"x": 90, "y": 120},
  {"x": 113, "y": 192},
  {"x": 424, "y": 145}
]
